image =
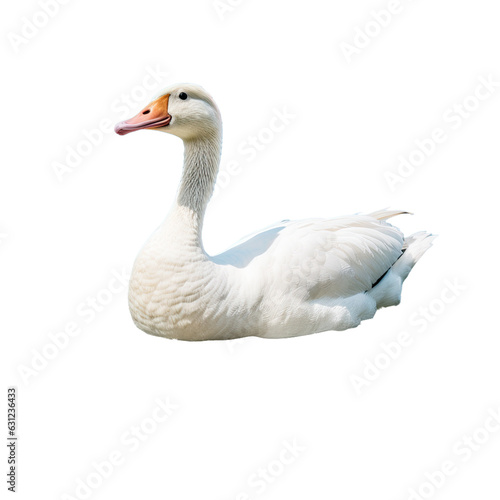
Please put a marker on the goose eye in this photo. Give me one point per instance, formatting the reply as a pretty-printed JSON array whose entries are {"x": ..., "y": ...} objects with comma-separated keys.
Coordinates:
[{"x": 183, "y": 96}]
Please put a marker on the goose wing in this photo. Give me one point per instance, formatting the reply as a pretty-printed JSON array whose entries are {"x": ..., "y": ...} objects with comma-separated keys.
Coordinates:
[{"x": 336, "y": 257}]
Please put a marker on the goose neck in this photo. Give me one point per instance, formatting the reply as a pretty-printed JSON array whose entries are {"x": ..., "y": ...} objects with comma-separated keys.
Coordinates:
[{"x": 201, "y": 165}]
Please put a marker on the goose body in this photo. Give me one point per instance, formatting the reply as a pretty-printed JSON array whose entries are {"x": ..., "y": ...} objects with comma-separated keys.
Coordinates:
[{"x": 293, "y": 278}]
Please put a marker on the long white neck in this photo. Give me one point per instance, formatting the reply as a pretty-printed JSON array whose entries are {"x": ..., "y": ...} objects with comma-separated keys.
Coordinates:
[{"x": 201, "y": 164}]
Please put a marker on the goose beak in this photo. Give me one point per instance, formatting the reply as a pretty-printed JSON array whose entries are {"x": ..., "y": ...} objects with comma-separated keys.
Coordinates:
[{"x": 154, "y": 115}]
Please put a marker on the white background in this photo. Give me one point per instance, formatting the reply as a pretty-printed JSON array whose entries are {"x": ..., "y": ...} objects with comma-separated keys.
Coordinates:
[{"x": 238, "y": 402}]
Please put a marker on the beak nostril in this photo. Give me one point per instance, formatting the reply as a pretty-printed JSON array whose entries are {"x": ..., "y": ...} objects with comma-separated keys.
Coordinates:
[{"x": 146, "y": 112}]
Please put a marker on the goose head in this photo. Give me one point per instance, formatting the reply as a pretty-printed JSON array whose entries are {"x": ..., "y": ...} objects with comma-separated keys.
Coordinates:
[{"x": 184, "y": 110}]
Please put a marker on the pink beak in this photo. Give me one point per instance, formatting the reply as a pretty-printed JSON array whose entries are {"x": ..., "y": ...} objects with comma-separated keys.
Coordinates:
[{"x": 154, "y": 115}]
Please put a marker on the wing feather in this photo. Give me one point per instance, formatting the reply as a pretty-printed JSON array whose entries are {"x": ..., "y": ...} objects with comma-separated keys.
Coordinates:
[{"x": 317, "y": 258}]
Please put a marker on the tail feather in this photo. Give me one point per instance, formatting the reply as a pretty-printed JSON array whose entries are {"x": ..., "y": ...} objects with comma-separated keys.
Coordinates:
[
  {"x": 414, "y": 247},
  {"x": 387, "y": 292}
]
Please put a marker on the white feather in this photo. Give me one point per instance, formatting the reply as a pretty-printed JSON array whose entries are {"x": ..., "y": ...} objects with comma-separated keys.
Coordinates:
[{"x": 292, "y": 278}]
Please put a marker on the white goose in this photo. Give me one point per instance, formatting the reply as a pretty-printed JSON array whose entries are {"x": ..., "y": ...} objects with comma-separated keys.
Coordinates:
[{"x": 294, "y": 278}]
